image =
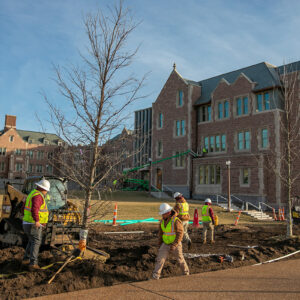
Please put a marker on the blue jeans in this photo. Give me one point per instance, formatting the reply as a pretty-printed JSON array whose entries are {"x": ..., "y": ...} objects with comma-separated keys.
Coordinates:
[{"x": 34, "y": 235}]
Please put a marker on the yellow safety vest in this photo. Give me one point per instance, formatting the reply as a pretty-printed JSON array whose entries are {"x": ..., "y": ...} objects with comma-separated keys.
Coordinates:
[
  {"x": 169, "y": 233},
  {"x": 43, "y": 212},
  {"x": 205, "y": 214},
  {"x": 184, "y": 208}
]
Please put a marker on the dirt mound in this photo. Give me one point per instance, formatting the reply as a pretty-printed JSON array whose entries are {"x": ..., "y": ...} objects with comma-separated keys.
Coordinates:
[{"x": 132, "y": 258}]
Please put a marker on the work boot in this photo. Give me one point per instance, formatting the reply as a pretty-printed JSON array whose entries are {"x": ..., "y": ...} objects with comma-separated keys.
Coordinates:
[
  {"x": 34, "y": 268},
  {"x": 204, "y": 242},
  {"x": 212, "y": 242},
  {"x": 189, "y": 245},
  {"x": 25, "y": 262}
]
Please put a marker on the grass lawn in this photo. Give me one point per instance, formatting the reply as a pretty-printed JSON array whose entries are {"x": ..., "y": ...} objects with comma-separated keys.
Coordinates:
[{"x": 139, "y": 205}]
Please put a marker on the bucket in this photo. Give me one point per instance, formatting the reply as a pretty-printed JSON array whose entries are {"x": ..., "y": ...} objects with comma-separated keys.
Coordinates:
[{"x": 216, "y": 220}]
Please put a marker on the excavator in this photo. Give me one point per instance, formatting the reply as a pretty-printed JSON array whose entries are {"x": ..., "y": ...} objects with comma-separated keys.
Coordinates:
[{"x": 64, "y": 224}]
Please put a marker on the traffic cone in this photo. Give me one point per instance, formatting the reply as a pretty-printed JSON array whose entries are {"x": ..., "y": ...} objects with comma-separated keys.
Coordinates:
[
  {"x": 115, "y": 215},
  {"x": 279, "y": 214},
  {"x": 274, "y": 215},
  {"x": 237, "y": 218},
  {"x": 196, "y": 219},
  {"x": 282, "y": 214}
]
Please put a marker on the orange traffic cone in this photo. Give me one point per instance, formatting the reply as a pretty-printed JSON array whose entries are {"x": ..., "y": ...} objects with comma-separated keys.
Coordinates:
[
  {"x": 274, "y": 215},
  {"x": 282, "y": 214},
  {"x": 196, "y": 219},
  {"x": 237, "y": 218},
  {"x": 279, "y": 214},
  {"x": 115, "y": 215}
]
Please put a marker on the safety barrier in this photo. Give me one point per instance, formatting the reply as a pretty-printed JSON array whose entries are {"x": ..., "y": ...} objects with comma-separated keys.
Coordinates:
[
  {"x": 115, "y": 215},
  {"x": 237, "y": 218}
]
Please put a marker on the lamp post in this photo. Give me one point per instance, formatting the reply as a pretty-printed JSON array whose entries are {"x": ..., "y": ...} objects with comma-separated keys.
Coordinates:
[
  {"x": 150, "y": 161},
  {"x": 228, "y": 163}
]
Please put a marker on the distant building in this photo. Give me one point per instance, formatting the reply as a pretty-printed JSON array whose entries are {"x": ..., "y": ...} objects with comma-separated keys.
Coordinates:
[
  {"x": 142, "y": 136},
  {"x": 26, "y": 153},
  {"x": 230, "y": 117}
]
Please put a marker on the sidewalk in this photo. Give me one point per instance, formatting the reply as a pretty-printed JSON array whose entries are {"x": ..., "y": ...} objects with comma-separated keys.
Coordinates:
[{"x": 279, "y": 280}]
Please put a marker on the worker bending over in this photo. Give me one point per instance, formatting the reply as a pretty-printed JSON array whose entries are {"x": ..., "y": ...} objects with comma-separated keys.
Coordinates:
[
  {"x": 208, "y": 221},
  {"x": 181, "y": 210},
  {"x": 170, "y": 237},
  {"x": 35, "y": 218}
]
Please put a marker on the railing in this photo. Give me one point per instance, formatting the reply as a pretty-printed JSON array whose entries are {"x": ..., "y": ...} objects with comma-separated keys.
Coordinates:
[
  {"x": 249, "y": 203},
  {"x": 220, "y": 196},
  {"x": 263, "y": 203},
  {"x": 239, "y": 200}
]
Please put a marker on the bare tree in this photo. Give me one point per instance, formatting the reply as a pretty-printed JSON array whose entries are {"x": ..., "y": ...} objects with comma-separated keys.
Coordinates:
[
  {"x": 98, "y": 96},
  {"x": 286, "y": 162}
]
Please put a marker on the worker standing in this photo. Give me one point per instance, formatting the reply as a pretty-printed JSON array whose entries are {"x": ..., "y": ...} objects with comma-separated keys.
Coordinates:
[
  {"x": 208, "y": 221},
  {"x": 170, "y": 236},
  {"x": 35, "y": 218},
  {"x": 181, "y": 210}
]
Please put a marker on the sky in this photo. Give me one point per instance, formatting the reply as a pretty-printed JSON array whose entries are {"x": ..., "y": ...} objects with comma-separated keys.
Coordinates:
[{"x": 203, "y": 38}]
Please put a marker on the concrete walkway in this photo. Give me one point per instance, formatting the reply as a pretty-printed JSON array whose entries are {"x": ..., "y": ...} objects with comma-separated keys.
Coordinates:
[{"x": 278, "y": 280}]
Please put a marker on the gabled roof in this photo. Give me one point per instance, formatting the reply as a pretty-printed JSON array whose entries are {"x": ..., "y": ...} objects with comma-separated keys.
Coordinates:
[
  {"x": 263, "y": 74},
  {"x": 292, "y": 67},
  {"x": 39, "y": 137}
]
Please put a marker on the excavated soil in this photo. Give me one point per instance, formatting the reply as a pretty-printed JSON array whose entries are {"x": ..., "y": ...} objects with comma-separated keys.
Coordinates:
[{"x": 132, "y": 258}]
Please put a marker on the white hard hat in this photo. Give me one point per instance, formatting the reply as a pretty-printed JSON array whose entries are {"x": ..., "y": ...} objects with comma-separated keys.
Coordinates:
[
  {"x": 207, "y": 200},
  {"x": 164, "y": 208},
  {"x": 44, "y": 184},
  {"x": 177, "y": 194}
]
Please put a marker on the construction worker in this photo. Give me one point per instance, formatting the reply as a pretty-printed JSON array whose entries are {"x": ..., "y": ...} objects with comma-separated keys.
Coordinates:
[
  {"x": 208, "y": 221},
  {"x": 181, "y": 210},
  {"x": 170, "y": 236},
  {"x": 35, "y": 218}
]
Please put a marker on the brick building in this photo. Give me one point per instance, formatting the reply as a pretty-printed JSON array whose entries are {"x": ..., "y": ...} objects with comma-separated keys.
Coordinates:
[
  {"x": 25, "y": 153},
  {"x": 234, "y": 118}
]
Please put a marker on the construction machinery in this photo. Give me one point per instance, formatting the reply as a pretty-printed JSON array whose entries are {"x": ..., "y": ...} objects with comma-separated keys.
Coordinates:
[
  {"x": 64, "y": 217},
  {"x": 296, "y": 210}
]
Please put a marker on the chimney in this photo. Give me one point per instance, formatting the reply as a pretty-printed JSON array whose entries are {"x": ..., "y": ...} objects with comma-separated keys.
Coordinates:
[{"x": 10, "y": 122}]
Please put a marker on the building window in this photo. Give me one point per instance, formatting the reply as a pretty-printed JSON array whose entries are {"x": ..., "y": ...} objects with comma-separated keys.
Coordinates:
[
  {"x": 245, "y": 180},
  {"x": 39, "y": 168},
  {"x": 49, "y": 169},
  {"x": 160, "y": 120},
  {"x": 262, "y": 101},
  {"x": 180, "y": 128},
  {"x": 223, "y": 110},
  {"x": 179, "y": 160},
  {"x": 40, "y": 154},
  {"x": 209, "y": 174},
  {"x": 2, "y": 151},
  {"x": 244, "y": 140},
  {"x": 11, "y": 138},
  {"x": 18, "y": 152},
  {"x": 50, "y": 155},
  {"x": 204, "y": 113},
  {"x": 19, "y": 167},
  {"x": 180, "y": 98},
  {"x": 2, "y": 166},
  {"x": 30, "y": 168},
  {"x": 223, "y": 139},
  {"x": 242, "y": 106},
  {"x": 159, "y": 148},
  {"x": 215, "y": 143},
  {"x": 264, "y": 138},
  {"x": 30, "y": 153}
]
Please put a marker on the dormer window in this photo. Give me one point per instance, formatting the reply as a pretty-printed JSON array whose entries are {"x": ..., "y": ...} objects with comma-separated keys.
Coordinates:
[{"x": 11, "y": 138}]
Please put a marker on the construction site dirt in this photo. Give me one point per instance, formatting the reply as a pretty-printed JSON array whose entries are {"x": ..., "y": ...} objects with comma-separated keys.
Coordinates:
[{"x": 132, "y": 257}]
